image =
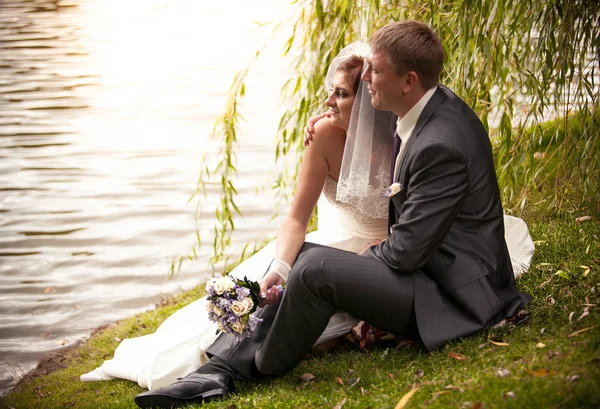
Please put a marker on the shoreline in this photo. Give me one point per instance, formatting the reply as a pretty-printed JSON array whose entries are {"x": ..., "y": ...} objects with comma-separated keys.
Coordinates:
[{"x": 60, "y": 358}]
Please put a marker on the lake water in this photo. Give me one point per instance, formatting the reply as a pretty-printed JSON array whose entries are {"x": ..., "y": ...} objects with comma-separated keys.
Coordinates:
[{"x": 106, "y": 107}]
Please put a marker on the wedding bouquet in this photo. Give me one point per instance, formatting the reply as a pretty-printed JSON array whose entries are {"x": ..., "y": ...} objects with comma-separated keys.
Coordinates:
[{"x": 232, "y": 304}]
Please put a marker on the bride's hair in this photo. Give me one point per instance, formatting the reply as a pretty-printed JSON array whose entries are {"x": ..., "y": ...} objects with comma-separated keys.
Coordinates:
[{"x": 354, "y": 65}]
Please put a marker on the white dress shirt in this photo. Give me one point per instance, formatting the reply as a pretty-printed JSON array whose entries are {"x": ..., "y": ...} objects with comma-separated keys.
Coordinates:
[{"x": 407, "y": 123}]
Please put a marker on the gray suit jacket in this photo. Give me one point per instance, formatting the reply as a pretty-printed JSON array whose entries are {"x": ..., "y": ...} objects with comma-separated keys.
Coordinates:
[{"x": 447, "y": 225}]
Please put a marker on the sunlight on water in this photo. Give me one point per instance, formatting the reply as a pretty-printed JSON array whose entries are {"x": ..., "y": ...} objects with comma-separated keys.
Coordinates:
[{"x": 105, "y": 109}]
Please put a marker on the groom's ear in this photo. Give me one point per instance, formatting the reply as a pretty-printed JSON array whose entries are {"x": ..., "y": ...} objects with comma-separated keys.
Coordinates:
[{"x": 411, "y": 80}]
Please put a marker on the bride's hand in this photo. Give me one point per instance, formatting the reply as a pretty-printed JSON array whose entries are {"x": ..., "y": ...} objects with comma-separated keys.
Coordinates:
[
  {"x": 371, "y": 243},
  {"x": 268, "y": 288},
  {"x": 309, "y": 130}
]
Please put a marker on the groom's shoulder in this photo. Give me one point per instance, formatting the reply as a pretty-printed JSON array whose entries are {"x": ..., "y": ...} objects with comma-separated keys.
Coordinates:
[{"x": 453, "y": 108}]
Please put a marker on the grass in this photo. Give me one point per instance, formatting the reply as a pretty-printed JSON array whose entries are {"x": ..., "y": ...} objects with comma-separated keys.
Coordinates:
[{"x": 563, "y": 373}]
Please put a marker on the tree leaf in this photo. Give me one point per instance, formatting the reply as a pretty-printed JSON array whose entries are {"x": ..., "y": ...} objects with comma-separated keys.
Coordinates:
[
  {"x": 404, "y": 400},
  {"x": 540, "y": 373},
  {"x": 307, "y": 377},
  {"x": 458, "y": 357},
  {"x": 340, "y": 404}
]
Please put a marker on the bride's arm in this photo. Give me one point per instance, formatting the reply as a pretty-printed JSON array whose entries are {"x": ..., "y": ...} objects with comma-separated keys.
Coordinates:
[{"x": 313, "y": 172}]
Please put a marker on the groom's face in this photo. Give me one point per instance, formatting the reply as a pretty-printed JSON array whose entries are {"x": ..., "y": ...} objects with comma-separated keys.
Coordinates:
[{"x": 385, "y": 86}]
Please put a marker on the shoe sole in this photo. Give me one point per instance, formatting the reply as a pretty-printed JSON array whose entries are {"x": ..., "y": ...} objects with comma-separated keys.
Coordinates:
[{"x": 163, "y": 400}]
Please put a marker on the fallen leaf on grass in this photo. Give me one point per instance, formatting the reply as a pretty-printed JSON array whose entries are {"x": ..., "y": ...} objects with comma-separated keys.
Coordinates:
[
  {"x": 339, "y": 380},
  {"x": 434, "y": 395},
  {"x": 117, "y": 339},
  {"x": 509, "y": 394},
  {"x": 540, "y": 345},
  {"x": 544, "y": 266},
  {"x": 340, "y": 404},
  {"x": 502, "y": 373},
  {"x": 562, "y": 274},
  {"x": 550, "y": 300},
  {"x": 499, "y": 344},
  {"x": 574, "y": 334},
  {"x": 572, "y": 378},
  {"x": 540, "y": 373},
  {"x": 307, "y": 377},
  {"x": 390, "y": 376},
  {"x": 571, "y": 317},
  {"x": 419, "y": 373},
  {"x": 41, "y": 393},
  {"x": 458, "y": 357},
  {"x": 454, "y": 388},
  {"x": 353, "y": 382},
  {"x": 404, "y": 400},
  {"x": 362, "y": 391},
  {"x": 478, "y": 405},
  {"x": 583, "y": 219},
  {"x": 585, "y": 313}
]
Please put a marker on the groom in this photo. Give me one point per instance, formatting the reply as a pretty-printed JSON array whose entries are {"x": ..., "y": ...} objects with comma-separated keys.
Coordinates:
[{"x": 443, "y": 273}]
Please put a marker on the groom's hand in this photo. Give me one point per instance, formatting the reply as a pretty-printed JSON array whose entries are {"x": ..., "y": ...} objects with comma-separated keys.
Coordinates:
[
  {"x": 268, "y": 290},
  {"x": 309, "y": 130},
  {"x": 371, "y": 243}
]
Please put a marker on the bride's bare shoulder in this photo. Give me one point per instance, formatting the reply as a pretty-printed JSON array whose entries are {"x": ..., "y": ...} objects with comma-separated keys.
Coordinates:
[{"x": 325, "y": 130}]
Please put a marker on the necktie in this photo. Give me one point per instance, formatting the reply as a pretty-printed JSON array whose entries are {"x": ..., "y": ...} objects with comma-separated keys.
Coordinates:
[{"x": 397, "y": 143}]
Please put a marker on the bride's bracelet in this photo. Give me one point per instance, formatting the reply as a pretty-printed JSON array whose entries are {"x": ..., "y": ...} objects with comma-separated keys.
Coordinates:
[{"x": 280, "y": 267}]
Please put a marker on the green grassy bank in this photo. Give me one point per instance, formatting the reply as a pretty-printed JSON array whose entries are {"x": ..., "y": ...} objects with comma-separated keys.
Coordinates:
[{"x": 550, "y": 361}]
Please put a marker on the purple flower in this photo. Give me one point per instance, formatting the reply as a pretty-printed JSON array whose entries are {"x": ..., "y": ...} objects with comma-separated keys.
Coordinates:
[
  {"x": 253, "y": 321},
  {"x": 224, "y": 303},
  {"x": 242, "y": 292}
]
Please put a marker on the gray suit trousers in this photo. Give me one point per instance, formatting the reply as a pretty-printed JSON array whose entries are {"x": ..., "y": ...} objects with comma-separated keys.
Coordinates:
[{"x": 322, "y": 281}]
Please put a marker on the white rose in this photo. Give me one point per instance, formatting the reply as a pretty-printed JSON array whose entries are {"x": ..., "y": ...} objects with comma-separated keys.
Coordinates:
[
  {"x": 237, "y": 327},
  {"x": 229, "y": 284},
  {"x": 219, "y": 287},
  {"x": 218, "y": 311},
  {"x": 238, "y": 308},
  {"x": 221, "y": 327},
  {"x": 248, "y": 304}
]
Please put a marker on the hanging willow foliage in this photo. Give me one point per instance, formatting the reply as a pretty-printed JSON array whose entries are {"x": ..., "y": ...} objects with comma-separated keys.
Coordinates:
[{"x": 528, "y": 68}]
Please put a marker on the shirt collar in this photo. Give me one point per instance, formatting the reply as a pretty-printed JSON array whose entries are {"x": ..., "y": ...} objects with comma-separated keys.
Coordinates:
[{"x": 407, "y": 123}]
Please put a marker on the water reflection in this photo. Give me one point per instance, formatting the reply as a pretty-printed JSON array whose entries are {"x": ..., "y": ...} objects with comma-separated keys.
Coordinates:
[{"x": 105, "y": 109}]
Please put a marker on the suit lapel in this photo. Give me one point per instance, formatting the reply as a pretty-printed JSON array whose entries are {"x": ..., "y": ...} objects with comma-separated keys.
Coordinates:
[{"x": 436, "y": 99}]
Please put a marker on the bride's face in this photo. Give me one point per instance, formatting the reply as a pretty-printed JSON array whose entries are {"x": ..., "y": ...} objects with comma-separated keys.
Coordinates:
[{"x": 341, "y": 99}]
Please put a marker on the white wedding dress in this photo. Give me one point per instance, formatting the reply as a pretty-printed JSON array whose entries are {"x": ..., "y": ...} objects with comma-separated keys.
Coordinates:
[{"x": 178, "y": 346}]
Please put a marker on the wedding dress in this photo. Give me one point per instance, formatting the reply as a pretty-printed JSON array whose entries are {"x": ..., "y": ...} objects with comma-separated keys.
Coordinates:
[{"x": 178, "y": 346}]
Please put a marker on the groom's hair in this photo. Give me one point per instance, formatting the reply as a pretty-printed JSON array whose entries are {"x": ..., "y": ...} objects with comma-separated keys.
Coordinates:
[
  {"x": 411, "y": 46},
  {"x": 352, "y": 64}
]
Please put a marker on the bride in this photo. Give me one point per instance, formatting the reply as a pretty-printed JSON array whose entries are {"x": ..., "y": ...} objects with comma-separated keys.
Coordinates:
[{"x": 345, "y": 170}]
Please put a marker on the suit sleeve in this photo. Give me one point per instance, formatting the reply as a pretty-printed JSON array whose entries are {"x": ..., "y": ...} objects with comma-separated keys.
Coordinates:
[{"x": 436, "y": 189}]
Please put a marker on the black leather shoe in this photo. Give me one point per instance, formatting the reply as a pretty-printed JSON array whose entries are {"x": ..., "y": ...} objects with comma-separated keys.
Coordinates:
[{"x": 194, "y": 388}]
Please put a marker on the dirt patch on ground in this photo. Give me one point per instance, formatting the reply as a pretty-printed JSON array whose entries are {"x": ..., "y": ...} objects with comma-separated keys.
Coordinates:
[{"x": 51, "y": 362}]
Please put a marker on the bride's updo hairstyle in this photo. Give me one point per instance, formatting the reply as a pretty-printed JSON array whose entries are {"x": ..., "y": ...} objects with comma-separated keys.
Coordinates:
[{"x": 353, "y": 65}]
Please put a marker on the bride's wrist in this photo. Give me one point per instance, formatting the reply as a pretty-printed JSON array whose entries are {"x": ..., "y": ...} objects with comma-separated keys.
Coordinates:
[{"x": 281, "y": 268}]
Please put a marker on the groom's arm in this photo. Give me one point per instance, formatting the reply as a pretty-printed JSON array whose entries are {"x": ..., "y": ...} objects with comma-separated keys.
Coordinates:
[{"x": 436, "y": 190}]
